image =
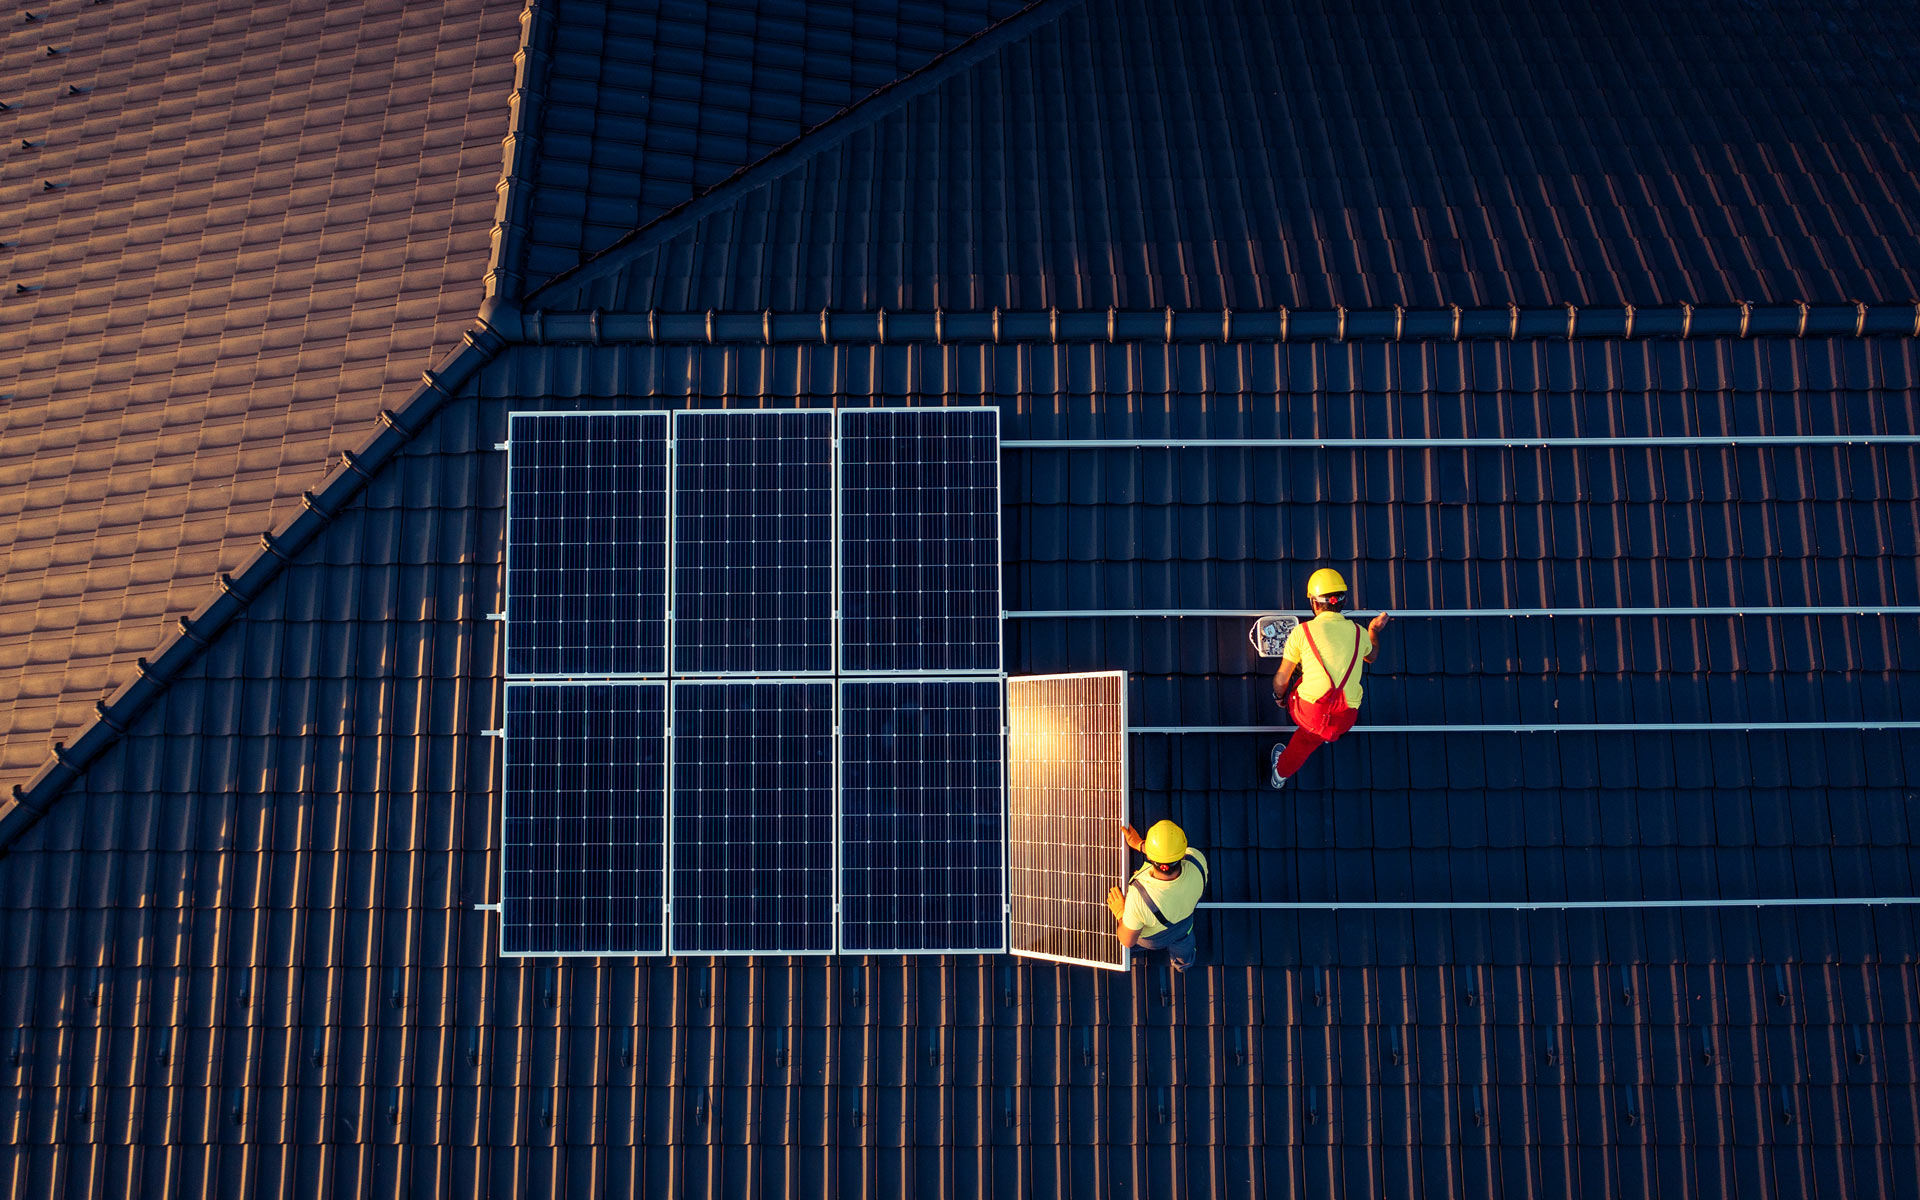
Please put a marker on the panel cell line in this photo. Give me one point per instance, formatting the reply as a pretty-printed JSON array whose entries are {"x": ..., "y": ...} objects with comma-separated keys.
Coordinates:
[
  {"x": 922, "y": 819},
  {"x": 582, "y": 857},
  {"x": 919, "y": 540},
  {"x": 586, "y": 544},
  {"x": 752, "y": 549},
  {"x": 752, "y": 831},
  {"x": 1066, "y": 802}
]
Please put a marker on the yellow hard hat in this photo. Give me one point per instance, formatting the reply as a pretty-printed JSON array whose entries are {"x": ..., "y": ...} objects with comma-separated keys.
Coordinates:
[
  {"x": 1325, "y": 582},
  {"x": 1165, "y": 842}
]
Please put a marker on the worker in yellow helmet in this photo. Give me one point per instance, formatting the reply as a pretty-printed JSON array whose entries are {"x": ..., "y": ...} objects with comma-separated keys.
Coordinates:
[
  {"x": 1156, "y": 910},
  {"x": 1321, "y": 666}
]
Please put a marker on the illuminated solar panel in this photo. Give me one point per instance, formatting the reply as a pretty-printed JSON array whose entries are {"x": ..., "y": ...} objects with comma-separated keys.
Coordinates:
[
  {"x": 584, "y": 818},
  {"x": 919, "y": 540},
  {"x": 752, "y": 542},
  {"x": 752, "y": 817},
  {"x": 1066, "y": 802},
  {"x": 586, "y": 543},
  {"x": 922, "y": 818}
]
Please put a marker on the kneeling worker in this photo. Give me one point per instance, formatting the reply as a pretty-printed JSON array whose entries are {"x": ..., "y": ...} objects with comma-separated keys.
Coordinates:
[
  {"x": 1156, "y": 912},
  {"x": 1327, "y": 652}
]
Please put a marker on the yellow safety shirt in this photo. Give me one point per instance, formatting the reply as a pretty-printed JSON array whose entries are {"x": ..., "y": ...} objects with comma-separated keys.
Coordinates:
[
  {"x": 1176, "y": 897},
  {"x": 1337, "y": 638}
]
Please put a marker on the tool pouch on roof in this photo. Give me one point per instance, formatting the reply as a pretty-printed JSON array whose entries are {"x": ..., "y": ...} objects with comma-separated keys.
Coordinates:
[{"x": 1329, "y": 716}]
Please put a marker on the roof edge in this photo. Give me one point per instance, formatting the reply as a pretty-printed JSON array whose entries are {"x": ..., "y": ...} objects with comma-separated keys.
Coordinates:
[
  {"x": 237, "y": 590},
  {"x": 512, "y": 217},
  {"x": 858, "y": 115},
  {"x": 1733, "y": 319}
]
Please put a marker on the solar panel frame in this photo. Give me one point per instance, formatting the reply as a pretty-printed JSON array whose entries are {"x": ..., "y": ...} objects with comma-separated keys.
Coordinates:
[
  {"x": 927, "y": 663},
  {"x": 664, "y": 618},
  {"x": 849, "y": 732},
  {"x": 1101, "y": 934},
  {"x": 681, "y": 626},
  {"x": 676, "y": 919},
  {"x": 513, "y": 690}
]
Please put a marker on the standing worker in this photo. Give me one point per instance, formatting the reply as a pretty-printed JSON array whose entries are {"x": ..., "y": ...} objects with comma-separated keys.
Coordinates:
[
  {"x": 1328, "y": 653},
  {"x": 1156, "y": 912}
]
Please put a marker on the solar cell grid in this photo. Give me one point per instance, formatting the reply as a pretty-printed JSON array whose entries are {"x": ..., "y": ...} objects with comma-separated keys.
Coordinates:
[
  {"x": 753, "y": 854},
  {"x": 753, "y": 555},
  {"x": 586, "y": 544},
  {"x": 920, "y": 540},
  {"x": 583, "y": 819},
  {"x": 747, "y": 843},
  {"x": 1066, "y": 801},
  {"x": 921, "y": 817}
]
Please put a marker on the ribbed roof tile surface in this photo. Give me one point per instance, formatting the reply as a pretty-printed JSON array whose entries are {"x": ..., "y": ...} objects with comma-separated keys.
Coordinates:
[
  {"x": 650, "y": 105},
  {"x": 1328, "y": 153},
  {"x": 230, "y": 234},
  {"x": 268, "y": 887},
  {"x": 240, "y": 955}
]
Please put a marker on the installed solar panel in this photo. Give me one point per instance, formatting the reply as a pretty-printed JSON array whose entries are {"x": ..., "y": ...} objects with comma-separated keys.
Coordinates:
[
  {"x": 920, "y": 540},
  {"x": 752, "y": 831},
  {"x": 753, "y": 553},
  {"x": 921, "y": 817},
  {"x": 1066, "y": 802},
  {"x": 583, "y": 819},
  {"x": 586, "y": 543}
]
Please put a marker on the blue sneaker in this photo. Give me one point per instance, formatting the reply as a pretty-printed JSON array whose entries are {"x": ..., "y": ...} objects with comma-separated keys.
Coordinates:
[{"x": 1274, "y": 778}]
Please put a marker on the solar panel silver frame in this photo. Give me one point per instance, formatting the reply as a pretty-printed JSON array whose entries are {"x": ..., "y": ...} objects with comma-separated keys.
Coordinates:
[
  {"x": 999, "y": 558},
  {"x": 506, "y": 539},
  {"x": 833, "y": 550},
  {"x": 666, "y": 817},
  {"x": 673, "y": 686},
  {"x": 839, "y": 806},
  {"x": 1122, "y": 862}
]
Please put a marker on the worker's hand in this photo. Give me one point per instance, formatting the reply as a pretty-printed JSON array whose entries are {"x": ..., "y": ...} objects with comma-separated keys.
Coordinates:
[
  {"x": 1132, "y": 837},
  {"x": 1117, "y": 903},
  {"x": 1378, "y": 623}
]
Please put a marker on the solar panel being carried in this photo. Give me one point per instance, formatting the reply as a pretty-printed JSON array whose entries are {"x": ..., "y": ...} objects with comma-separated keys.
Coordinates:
[
  {"x": 919, "y": 540},
  {"x": 586, "y": 544},
  {"x": 752, "y": 542},
  {"x": 752, "y": 829},
  {"x": 922, "y": 821},
  {"x": 1066, "y": 802},
  {"x": 583, "y": 819}
]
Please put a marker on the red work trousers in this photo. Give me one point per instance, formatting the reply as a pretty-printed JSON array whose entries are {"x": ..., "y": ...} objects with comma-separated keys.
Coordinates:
[{"x": 1298, "y": 751}]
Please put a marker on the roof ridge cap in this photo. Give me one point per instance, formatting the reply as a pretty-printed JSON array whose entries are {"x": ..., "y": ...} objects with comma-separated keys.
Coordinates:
[
  {"x": 1280, "y": 323},
  {"x": 858, "y": 115},
  {"x": 506, "y": 274}
]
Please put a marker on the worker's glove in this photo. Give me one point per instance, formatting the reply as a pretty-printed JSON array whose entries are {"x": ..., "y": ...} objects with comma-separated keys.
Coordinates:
[
  {"x": 1132, "y": 837},
  {"x": 1117, "y": 903}
]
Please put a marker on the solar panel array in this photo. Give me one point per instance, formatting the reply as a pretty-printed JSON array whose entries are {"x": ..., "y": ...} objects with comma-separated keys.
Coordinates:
[
  {"x": 1066, "y": 802},
  {"x": 922, "y": 819},
  {"x": 586, "y": 544},
  {"x": 753, "y": 542},
  {"x": 584, "y": 818},
  {"x": 920, "y": 540},
  {"x": 749, "y": 800}
]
